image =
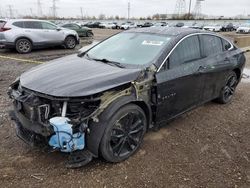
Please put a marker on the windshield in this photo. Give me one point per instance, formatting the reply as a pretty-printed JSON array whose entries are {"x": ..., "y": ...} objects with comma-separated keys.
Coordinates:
[{"x": 130, "y": 48}]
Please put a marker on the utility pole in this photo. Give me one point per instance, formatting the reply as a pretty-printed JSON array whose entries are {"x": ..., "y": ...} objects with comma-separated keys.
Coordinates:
[
  {"x": 180, "y": 8},
  {"x": 1, "y": 13},
  {"x": 129, "y": 6},
  {"x": 82, "y": 13},
  {"x": 31, "y": 12},
  {"x": 198, "y": 8},
  {"x": 54, "y": 7},
  {"x": 10, "y": 8},
  {"x": 39, "y": 9},
  {"x": 189, "y": 9}
]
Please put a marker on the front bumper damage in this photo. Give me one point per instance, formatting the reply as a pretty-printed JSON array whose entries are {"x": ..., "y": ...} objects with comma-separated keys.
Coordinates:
[{"x": 38, "y": 123}]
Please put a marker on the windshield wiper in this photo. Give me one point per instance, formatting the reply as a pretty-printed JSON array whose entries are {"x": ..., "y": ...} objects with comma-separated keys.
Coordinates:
[{"x": 106, "y": 61}]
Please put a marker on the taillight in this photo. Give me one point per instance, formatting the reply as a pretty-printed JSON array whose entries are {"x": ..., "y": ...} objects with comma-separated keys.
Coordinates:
[{"x": 4, "y": 29}]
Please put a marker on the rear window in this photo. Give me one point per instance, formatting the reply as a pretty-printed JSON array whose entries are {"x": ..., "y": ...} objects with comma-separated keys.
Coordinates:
[
  {"x": 18, "y": 24},
  {"x": 210, "y": 45},
  {"x": 32, "y": 25},
  {"x": 2, "y": 23}
]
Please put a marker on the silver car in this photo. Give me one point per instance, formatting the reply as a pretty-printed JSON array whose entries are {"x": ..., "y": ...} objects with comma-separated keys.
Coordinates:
[{"x": 27, "y": 34}]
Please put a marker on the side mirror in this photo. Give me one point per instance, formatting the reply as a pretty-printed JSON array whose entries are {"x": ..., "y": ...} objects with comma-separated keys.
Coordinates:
[{"x": 58, "y": 29}]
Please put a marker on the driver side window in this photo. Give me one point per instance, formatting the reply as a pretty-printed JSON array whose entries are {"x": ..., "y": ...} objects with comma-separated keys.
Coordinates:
[{"x": 188, "y": 50}]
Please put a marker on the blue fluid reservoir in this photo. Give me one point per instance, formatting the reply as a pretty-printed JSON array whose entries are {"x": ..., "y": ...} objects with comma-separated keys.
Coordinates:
[{"x": 64, "y": 139}]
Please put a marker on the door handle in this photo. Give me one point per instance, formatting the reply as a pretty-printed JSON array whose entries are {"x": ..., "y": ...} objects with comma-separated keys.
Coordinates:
[{"x": 227, "y": 59}]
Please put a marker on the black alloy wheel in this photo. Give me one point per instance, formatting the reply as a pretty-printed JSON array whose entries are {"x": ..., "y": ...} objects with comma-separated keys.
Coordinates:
[
  {"x": 228, "y": 91},
  {"x": 124, "y": 134}
]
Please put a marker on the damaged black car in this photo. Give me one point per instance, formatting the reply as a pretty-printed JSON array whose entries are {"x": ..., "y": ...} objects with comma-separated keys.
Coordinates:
[{"x": 101, "y": 102}]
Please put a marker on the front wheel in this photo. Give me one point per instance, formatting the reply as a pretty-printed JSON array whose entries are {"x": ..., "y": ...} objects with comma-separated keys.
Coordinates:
[
  {"x": 70, "y": 42},
  {"x": 228, "y": 91},
  {"x": 90, "y": 34},
  {"x": 124, "y": 133}
]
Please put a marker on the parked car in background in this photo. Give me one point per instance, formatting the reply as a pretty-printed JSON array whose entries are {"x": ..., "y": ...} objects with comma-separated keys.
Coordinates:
[
  {"x": 128, "y": 25},
  {"x": 109, "y": 25},
  {"x": 228, "y": 27},
  {"x": 147, "y": 24},
  {"x": 94, "y": 25},
  {"x": 160, "y": 24},
  {"x": 102, "y": 102},
  {"x": 81, "y": 30},
  {"x": 244, "y": 29},
  {"x": 27, "y": 34},
  {"x": 214, "y": 28},
  {"x": 180, "y": 24}
]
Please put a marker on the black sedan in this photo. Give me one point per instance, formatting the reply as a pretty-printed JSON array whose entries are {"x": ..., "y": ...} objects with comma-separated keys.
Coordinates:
[{"x": 102, "y": 102}]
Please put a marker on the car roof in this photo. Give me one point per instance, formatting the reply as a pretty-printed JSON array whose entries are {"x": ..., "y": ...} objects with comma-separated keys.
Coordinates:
[
  {"x": 22, "y": 20},
  {"x": 169, "y": 31}
]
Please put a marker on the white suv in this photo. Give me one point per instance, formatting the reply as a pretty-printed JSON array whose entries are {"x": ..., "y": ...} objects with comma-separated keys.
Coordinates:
[{"x": 27, "y": 34}]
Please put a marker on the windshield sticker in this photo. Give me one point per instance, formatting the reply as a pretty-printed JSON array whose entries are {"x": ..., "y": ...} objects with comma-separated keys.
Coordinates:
[{"x": 152, "y": 43}]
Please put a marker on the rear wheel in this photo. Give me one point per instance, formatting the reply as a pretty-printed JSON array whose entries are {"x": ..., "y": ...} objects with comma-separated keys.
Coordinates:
[
  {"x": 23, "y": 46},
  {"x": 70, "y": 42},
  {"x": 124, "y": 133},
  {"x": 228, "y": 91}
]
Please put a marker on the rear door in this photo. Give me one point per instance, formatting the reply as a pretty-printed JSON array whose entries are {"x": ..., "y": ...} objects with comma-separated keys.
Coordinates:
[
  {"x": 217, "y": 64},
  {"x": 179, "y": 83},
  {"x": 33, "y": 30}
]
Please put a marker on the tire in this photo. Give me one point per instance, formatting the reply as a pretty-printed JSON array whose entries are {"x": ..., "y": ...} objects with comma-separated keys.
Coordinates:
[
  {"x": 228, "y": 90},
  {"x": 90, "y": 34},
  {"x": 70, "y": 42},
  {"x": 124, "y": 133},
  {"x": 23, "y": 46}
]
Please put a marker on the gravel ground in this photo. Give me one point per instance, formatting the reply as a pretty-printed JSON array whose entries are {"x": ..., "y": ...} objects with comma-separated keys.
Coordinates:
[{"x": 207, "y": 147}]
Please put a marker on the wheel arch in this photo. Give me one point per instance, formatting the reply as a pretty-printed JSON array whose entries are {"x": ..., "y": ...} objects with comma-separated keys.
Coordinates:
[
  {"x": 71, "y": 35},
  {"x": 24, "y": 37},
  {"x": 97, "y": 128},
  {"x": 238, "y": 73}
]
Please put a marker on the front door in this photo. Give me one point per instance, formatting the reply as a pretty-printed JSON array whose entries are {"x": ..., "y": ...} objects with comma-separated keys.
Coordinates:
[
  {"x": 51, "y": 34},
  {"x": 180, "y": 84}
]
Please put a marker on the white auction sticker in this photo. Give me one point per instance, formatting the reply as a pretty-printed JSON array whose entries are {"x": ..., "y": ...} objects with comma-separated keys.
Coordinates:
[{"x": 152, "y": 43}]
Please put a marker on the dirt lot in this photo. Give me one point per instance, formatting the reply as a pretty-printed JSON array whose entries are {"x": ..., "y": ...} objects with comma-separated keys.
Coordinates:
[{"x": 208, "y": 147}]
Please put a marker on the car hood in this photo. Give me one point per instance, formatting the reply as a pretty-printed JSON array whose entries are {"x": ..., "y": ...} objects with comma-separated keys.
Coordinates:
[{"x": 73, "y": 76}]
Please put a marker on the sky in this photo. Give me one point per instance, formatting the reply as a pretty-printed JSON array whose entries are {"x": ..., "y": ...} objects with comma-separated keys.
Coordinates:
[{"x": 139, "y": 8}]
